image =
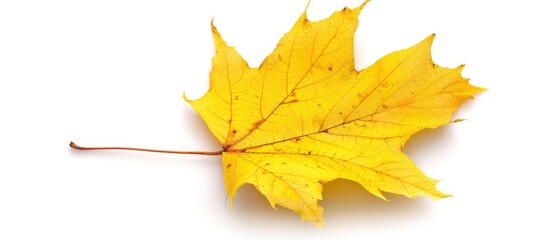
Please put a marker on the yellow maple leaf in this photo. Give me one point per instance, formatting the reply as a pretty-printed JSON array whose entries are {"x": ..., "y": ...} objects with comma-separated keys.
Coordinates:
[{"x": 306, "y": 116}]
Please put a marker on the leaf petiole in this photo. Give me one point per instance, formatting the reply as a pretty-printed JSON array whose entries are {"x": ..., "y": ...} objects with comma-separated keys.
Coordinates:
[{"x": 75, "y": 146}]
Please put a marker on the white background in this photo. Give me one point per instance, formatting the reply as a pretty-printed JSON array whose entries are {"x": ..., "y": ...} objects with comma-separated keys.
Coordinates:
[{"x": 112, "y": 73}]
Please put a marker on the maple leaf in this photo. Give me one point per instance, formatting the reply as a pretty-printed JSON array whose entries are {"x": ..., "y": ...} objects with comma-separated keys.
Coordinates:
[{"x": 306, "y": 116}]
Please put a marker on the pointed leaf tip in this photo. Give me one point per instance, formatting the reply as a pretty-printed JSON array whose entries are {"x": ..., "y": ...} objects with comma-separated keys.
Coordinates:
[{"x": 359, "y": 8}]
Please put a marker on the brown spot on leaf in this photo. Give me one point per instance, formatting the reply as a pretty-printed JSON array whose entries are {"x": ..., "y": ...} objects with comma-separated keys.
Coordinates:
[
  {"x": 257, "y": 124},
  {"x": 229, "y": 165},
  {"x": 330, "y": 68},
  {"x": 384, "y": 107}
]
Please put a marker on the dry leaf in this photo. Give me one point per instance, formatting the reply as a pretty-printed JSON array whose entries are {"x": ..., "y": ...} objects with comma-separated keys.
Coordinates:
[{"x": 306, "y": 116}]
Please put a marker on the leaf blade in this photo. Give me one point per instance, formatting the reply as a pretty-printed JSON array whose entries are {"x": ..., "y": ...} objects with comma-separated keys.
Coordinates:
[{"x": 306, "y": 116}]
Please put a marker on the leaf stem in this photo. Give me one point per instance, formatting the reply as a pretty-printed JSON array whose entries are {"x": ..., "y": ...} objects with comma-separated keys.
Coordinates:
[{"x": 75, "y": 146}]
